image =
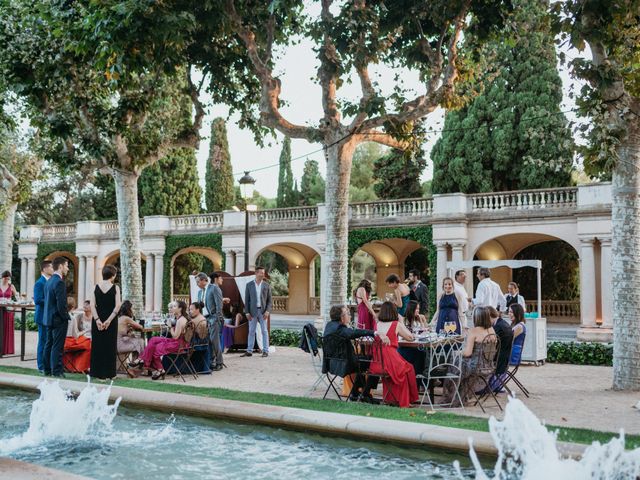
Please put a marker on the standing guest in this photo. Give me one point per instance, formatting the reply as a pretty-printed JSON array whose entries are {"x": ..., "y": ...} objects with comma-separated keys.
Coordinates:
[
  {"x": 77, "y": 345},
  {"x": 151, "y": 357},
  {"x": 505, "y": 335},
  {"x": 127, "y": 341},
  {"x": 460, "y": 277},
  {"x": 258, "y": 303},
  {"x": 514, "y": 296},
  {"x": 46, "y": 270},
  {"x": 215, "y": 319},
  {"x": 105, "y": 304},
  {"x": 399, "y": 383},
  {"x": 56, "y": 318},
  {"x": 366, "y": 315},
  {"x": 401, "y": 293},
  {"x": 202, "y": 281},
  {"x": 419, "y": 291},
  {"x": 449, "y": 308},
  {"x": 8, "y": 291},
  {"x": 488, "y": 293}
]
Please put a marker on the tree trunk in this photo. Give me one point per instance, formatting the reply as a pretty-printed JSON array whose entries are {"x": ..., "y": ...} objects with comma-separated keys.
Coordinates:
[
  {"x": 6, "y": 236},
  {"x": 336, "y": 261},
  {"x": 129, "y": 226},
  {"x": 625, "y": 268}
]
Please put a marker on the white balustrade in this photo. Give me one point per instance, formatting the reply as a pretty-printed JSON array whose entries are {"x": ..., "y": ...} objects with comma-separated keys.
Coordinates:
[
  {"x": 196, "y": 222},
  {"x": 525, "y": 199},
  {"x": 280, "y": 304},
  {"x": 410, "y": 207},
  {"x": 288, "y": 215},
  {"x": 557, "y": 309},
  {"x": 60, "y": 231}
]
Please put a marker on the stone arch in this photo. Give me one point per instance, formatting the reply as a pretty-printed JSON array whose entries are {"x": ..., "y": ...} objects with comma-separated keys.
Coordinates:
[
  {"x": 113, "y": 258},
  {"x": 74, "y": 269},
  {"x": 211, "y": 254},
  {"x": 300, "y": 259}
]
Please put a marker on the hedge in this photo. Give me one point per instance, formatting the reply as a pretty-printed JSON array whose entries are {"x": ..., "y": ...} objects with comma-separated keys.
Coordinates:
[
  {"x": 31, "y": 323},
  {"x": 580, "y": 353},
  {"x": 284, "y": 338}
]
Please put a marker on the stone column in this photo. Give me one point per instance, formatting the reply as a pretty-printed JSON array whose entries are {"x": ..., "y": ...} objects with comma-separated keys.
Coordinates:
[
  {"x": 605, "y": 282},
  {"x": 457, "y": 253},
  {"x": 230, "y": 262},
  {"x": 31, "y": 276},
  {"x": 587, "y": 284},
  {"x": 240, "y": 267},
  {"x": 23, "y": 275},
  {"x": 89, "y": 276},
  {"x": 441, "y": 267},
  {"x": 148, "y": 284},
  {"x": 82, "y": 281},
  {"x": 157, "y": 284}
]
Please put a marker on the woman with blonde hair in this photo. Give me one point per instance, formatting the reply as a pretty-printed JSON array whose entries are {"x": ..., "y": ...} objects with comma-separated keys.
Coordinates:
[{"x": 449, "y": 310}]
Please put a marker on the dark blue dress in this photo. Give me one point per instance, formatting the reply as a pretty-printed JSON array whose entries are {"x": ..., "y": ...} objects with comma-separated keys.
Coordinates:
[{"x": 448, "y": 312}]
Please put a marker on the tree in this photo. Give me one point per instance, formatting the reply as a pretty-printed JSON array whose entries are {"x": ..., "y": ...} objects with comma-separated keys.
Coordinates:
[
  {"x": 362, "y": 172},
  {"x": 612, "y": 100},
  {"x": 399, "y": 174},
  {"x": 312, "y": 185},
  {"x": 170, "y": 186},
  {"x": 513, "y": 135},
  {"x": 105, "y": 114},
  {"x": 286, "y": 196},
  {"x": 219, "y": 194}
]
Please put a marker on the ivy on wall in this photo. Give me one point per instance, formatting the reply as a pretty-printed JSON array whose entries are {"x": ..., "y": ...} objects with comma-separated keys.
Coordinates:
[
  {"x": 175, "y": 243},
  {"x": 46, "y": 249},
  {"x": 422, "y": 234}
]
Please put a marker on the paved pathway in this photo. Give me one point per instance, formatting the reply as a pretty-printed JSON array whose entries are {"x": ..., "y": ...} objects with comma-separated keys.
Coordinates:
[{"x": 564, "y": 395}]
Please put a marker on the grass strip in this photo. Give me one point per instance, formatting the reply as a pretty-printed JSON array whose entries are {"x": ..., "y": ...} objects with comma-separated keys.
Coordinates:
[{"x": 445, "y": 419}]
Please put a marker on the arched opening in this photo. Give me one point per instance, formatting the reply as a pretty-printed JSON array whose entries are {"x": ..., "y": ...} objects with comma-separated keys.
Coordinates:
[
  {"x": 363, "y": 265},
  {"x": 560, "y": 272},
  {"x": 114, "y": 259},
  {"x": 294, "y": 276},
  {"x": 189, "y": 260},
  {"x": 71, "y": 280}
]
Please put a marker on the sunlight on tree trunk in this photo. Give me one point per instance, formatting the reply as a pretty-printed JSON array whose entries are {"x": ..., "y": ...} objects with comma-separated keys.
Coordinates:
[{"x": 7, "y": 222}]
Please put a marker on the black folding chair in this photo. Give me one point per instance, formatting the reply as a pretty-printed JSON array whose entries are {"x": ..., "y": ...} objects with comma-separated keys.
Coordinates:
[
  {"x": 503, "y": 380},
  {"x": 371, "y": 363},
  {"x": 486, "y": 369},
  {"x": 316, "y": 362},
  {"x": 122, "y": 359},
  {"x": 336, "y": 354}
]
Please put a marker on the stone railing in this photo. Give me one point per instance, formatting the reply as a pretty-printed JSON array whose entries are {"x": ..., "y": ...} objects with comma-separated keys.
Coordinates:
[
  {"x": 288, "y": 215},
  {"x": 410, "y": 207},
  {"x": 280, "y": 304},
  {"x": 185, "y": 298},
  {"x": 557, "y": 310},
  {"x": 314, "y": 305},
  {"x": 58, "y": 232},
  {"x": 111, "y": 229},
  {"x": 524, "y": 199},
  {"x": 196, "y": 222}
]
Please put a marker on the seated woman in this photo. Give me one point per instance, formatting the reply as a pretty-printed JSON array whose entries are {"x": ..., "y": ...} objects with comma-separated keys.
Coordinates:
[
  {"x": 401, "y": 292},
  {"x": 400, "y": 386},
  {"x": 471, "y": 354},
  {"x": 449, "y": 309},
  {"x": 200, "y": 326},
  {"x": 151, "y": 357},
  {"x": 128, "y": 342},
  {"x": 516, "y": 314},
  {"x": 233, "y": 319},
  {"x": 77, "y": 346},
  {"x": 413, "y": 318}
]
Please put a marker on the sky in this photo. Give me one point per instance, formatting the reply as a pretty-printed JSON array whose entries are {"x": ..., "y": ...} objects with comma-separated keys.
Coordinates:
[{"x": 296, "y": 67}]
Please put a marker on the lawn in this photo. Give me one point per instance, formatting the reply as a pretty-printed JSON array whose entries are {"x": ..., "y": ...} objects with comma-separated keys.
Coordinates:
[{"x": 445, "y": 419}]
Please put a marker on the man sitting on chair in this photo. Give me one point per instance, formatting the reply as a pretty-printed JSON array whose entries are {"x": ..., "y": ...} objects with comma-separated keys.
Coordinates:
[{"x": 339, "y": 324}]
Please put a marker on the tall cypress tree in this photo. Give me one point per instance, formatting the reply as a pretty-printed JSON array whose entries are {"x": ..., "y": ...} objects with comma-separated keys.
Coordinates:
[
  {"x": 311, "y": 185},
  {"x": 171, "y": 185},
  {"x": 286, "y": 196},
  {"x": 513, "y": 135},
  {"x": 219, "y": 193}
]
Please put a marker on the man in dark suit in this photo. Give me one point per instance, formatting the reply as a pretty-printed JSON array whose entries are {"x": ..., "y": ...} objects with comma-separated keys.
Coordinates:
[
  {"x": 257, "y": 306},
  {"x": 505, "y": 334},
  {"x": 46, "y": 270},
  {"x": 419, "y": 291},
  {"x": 215, "y": 320},
  {"x": 339, "y": 325},
  {"x": 56, "y": 318}
]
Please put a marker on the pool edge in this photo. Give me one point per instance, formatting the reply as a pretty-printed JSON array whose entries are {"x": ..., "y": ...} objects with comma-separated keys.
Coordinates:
[{"x": 344, "y": 425}]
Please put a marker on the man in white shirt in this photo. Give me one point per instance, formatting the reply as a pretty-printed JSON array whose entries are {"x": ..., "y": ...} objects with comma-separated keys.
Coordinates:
[
  {"x": 488, "y": 293},
  {"x": 458, "y": 287}
]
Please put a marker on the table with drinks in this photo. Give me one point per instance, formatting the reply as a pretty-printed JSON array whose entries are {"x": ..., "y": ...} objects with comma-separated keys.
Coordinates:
[
  {"x": 23, "y": 306},
  {"x": 155, "y": 322}
]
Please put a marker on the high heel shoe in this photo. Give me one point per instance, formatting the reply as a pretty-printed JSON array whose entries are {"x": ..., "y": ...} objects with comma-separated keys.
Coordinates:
[
  {"x": 158, "y": 374},
  {"x": 136, "y": 363}
]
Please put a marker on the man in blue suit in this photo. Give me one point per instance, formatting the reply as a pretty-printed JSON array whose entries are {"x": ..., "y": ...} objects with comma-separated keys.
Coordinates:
[
  {"x": 46, "y": 270},
  {"x": 56, "y": 318}
]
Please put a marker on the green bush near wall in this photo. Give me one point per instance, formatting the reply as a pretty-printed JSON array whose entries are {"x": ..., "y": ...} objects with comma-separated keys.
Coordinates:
[
  {"x": 422, "y": 234},
  {"x": 46, "y": 249},
  {"x": 175, "y": 243},
  {"x": 31, "y": 323},
  {"x": 580, "y": 353},
  {"x": 284, "y": 338}
]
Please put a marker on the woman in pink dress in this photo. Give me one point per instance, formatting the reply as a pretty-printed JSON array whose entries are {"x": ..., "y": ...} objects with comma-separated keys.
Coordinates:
[
  {"x": 366, "y": 315},
  {"x": 7, "y": 291},
  {"x": 400, "y": 387},
  {"x": 151, "y": 357}
]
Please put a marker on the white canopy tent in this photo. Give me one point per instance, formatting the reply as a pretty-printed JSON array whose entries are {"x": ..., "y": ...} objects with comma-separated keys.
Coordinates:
[{"x": 452, "y": 267}]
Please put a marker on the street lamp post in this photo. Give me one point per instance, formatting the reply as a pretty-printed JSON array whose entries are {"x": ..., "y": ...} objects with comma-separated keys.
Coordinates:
[{"x": 246, "y": 189}]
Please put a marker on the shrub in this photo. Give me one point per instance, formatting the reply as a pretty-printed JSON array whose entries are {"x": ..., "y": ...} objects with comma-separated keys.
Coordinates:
[
  {"x": 580, "y": 353},
  {"x": 284, "y": 338},
  {"x": 31, "y": 322}
]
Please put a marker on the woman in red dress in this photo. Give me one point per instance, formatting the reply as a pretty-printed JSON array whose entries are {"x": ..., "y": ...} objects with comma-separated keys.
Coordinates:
[
  {"x": 400, "y": 386},
  {"x": 7, "y": 291},
  {"x": 366, "y": 315}
]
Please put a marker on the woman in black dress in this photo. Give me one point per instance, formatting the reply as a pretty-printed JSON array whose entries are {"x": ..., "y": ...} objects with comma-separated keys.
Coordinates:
[{"x": 105, "y": 304}]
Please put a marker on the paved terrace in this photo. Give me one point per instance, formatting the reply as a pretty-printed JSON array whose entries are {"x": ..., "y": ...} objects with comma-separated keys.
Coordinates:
[{"x": 563, "y": 395}]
